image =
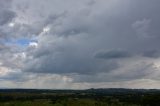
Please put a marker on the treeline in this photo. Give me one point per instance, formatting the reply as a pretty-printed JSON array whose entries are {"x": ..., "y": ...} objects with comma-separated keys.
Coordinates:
[{"x": 97, "y": 96}]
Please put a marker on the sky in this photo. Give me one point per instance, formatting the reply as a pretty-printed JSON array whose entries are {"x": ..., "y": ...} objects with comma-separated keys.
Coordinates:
[{"x": 79, "y": 44}]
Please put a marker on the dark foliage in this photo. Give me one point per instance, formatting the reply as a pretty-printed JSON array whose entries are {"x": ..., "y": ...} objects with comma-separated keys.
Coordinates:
[{"x": 95, "y": 97}]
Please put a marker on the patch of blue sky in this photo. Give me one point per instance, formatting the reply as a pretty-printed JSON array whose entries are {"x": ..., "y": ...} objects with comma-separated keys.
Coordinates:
[
  {"x": 23, "y": 42},
  {"x": 20, "y": 42}
]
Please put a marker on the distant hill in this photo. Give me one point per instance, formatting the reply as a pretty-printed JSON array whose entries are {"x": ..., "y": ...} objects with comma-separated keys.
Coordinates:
[{"x": 92, "y": 90}]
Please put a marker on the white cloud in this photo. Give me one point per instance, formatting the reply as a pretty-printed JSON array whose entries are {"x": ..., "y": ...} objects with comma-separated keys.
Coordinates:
[
  {"x": 11, "y": 24},
  {"x": 4, "y": 71},
  {"x": 33, "y": 44},
  {"x": 46, "y": 29}
]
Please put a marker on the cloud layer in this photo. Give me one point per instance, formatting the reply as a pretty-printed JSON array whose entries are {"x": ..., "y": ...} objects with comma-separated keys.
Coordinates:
[{"x": 79, "y": 44}]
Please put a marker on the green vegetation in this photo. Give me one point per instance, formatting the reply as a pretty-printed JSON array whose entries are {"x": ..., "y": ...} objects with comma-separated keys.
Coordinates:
[
  {"x": 92, "y": 97},
  {"x": 68, "y": 102}
]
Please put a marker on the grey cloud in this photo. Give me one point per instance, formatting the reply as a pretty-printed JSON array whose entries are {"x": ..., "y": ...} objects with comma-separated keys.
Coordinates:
[
  {"x": 113, "y": 54},
  {"x": 141, "y": 27},
  {"x": 66, "y": 63},
  {"x": 6, "y": 16},
  {"x": 151, "y": 54},
  {"x": 10, "y": 56},
  {"x": 137, "y": 71},
  {"x": 5, "y": 3},
  {"x": 92, "y": 31},
  {"x": 3, "y": 48},
  {"x": 78, "y": 32}
]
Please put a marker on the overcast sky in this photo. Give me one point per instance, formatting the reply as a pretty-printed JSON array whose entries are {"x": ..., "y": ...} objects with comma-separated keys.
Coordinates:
[{"x": 79, "y": 44}]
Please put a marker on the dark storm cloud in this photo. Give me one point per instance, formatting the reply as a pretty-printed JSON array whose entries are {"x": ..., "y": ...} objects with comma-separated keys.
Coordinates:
[
  {"x": 113, "y": 54},
  {"x": 93, "y": 29},
  {"x": 152, "y": 53},
  {"x": 52, "y": 62}
]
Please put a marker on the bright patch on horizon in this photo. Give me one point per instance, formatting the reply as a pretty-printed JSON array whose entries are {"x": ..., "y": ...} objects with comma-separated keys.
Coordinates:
[{"x": 67, "y": 79}]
